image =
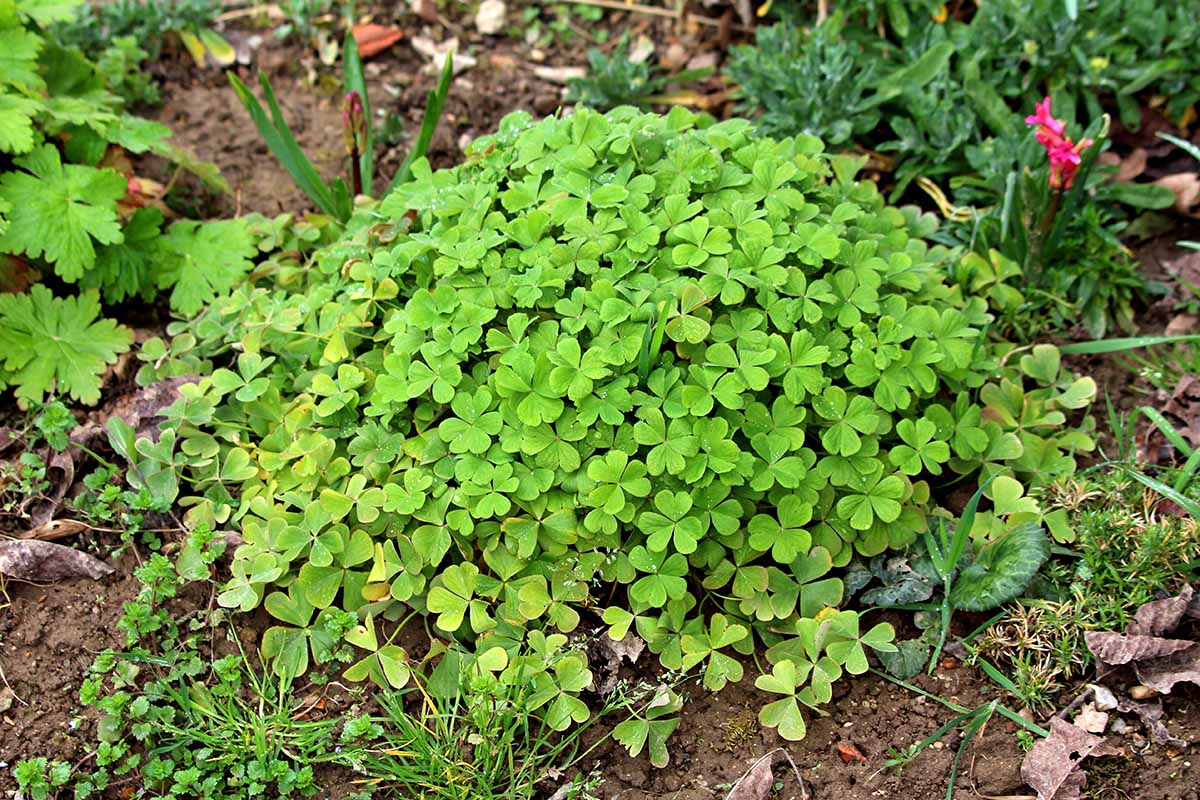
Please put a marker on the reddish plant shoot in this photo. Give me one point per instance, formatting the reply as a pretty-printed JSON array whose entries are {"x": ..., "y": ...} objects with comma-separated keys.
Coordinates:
[{"x": 1065, "y": 155}]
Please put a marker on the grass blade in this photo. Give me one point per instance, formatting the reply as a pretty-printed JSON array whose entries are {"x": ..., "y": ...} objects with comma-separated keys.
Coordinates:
[
  {"x": 293, "y": 159},
  {"x": 1187, "y": 504},
  {"x": 282, "y": 144},
  {"x": 1187, "y": 471},
  {"x": 1168, "y": 430},
  {"x": 1122, "y": 344},
  {"x": 1191, "y": 149},
  {"x": 434, "y": 104},
  {"x": 355, "y": 81}
]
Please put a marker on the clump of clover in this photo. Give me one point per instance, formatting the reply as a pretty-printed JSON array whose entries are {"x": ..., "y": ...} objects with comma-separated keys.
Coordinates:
[{"x": 671, "y": 371}]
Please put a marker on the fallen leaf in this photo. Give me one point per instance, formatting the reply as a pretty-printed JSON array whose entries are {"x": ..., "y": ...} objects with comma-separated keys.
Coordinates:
[
  {"x": 1116, "y": 649},
  {"x": 849, "y": 754},
  {"x": 36, "y": 561},
  {"x": 436, "y": 53},
  {"x": 1090, "y": 719},
  {"x": 1129, "y": 167},
  {"x": 373, "y": 39},
  {"x": 1103, "y": 697},
  {"x": 141, "y": 410},
  {"x": 756, "y": 784},
  {"x": 1159, "y": 662},
  {"x": 490, "y": 17},
  {"x": 1161, "y": 674},
  {"x": 607, "y": 661},
  {"x": 642, "y": 49},
  {"x": 1186, "y": 186},
  {"x": 559, "y": 74},
  {"x": 1160, "y": 616},
  {"x": 55, "y": 529},
  {"x": 1051, "y": 767},
  {"x": 706, "y": 60},
  {"x": 1151, "y": 716},
  {"x": 60, "y": 472},
  {"x": 16, "y": 275},
  {"x": 1181, "y": 324},
  {"x": 8, "y": 439},
  {"x": 6, "y": 698}
]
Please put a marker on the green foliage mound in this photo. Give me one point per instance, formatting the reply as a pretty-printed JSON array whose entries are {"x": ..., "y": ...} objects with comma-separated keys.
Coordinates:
[{"x": 631, "y": 365}]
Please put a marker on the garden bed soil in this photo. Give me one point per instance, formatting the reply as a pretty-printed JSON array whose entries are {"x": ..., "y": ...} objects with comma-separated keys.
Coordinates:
[{"x": 49, "y": 635}]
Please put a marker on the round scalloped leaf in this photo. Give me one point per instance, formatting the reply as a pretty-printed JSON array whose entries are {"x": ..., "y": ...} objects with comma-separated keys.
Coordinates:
[{"x": 1002, "y": 569}]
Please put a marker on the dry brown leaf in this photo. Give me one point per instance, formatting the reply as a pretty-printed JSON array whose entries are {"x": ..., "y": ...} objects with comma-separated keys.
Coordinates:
[
  {"x": 1051, "y": 767},
  {"x": 56, "y": 529},
  {"x": 142, "y": 409},
  {"x": 850, "y": 754},
  {"x": 756, "y": 783},
  {"x": 1186, "y": 186},
  {"x": 425, "y": 9},
  {"x": 490, "y": 17},
  {"x": 1116, "y": 649},
  {"x": 1163, "y": 673},
  {"x": 1151, "y": 716},
  {"x": 607, "y": 662},
  {"x": 1131, "y": 166},
  {"x": 8, "y": 439},
  {"x": 1160, "y": 616},
  {"x": 60, "y": 472},
  {"x": 43, "y": 562},
  {"x": 559, "y": 74},
  {"x": 1091, "y": 720},
  {"x": 1181, "y": 324},
  {"x": 373, "y": 39},
  {"x": 16, "y": 275}
]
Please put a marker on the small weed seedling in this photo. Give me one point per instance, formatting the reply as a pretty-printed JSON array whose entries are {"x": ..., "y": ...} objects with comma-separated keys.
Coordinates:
[
  {"x": 615, "y": 80},
  {"x": 335, "y": 198},
  {"x": 972, "y": 721}
]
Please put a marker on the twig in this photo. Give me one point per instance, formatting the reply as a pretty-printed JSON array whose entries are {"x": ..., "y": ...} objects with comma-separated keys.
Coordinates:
[
  {"x": 764, "y": 757},
  {"x": 270, "y": 9},
  {"x": 16, "y": 696},
  {"x": 795, "y": 769},
  {"x": 1079, "y": 700},
  {"x": 658, "y": 11}
]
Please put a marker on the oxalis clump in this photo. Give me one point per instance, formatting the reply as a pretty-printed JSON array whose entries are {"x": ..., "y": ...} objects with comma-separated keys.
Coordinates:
[{"x": 667, "y": 373}]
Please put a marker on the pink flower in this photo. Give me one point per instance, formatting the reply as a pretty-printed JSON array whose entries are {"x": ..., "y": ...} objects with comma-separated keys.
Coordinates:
[
  {"x": 1065, "y": 155},
  {"x": 1043, "y": 118}
]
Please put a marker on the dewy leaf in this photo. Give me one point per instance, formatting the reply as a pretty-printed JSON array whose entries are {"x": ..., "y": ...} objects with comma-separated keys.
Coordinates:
[
  {"x": 52, "y": 344},
  {"x": 59, "y": 210},
  {"x": 204, "y": 259},
  {"x": 1002, "y": 569}
]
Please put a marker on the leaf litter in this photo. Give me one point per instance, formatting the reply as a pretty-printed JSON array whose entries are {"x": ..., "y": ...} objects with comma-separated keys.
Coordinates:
[
  {"x": 37, "y": 561},
  {"x": 1158, "y": 661},
  {"x": 1052, "y": 765}
]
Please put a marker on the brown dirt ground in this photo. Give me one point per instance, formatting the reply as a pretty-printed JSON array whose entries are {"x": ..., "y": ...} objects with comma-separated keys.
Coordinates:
[{"x": 50, "y": 634}]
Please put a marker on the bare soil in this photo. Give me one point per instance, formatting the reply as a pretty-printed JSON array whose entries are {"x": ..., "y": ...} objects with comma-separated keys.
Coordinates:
[{"x": 49, "y": 635}]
